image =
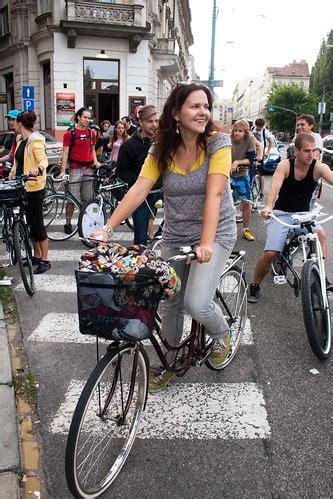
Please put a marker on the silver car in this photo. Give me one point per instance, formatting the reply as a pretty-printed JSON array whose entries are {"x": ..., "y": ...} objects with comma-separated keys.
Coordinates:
[{"x": 53, "y": 148}]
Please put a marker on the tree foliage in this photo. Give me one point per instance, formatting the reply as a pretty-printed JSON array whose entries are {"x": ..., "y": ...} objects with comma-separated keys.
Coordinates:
[
  {"x": 321, "y": 79},
  {"x": 292, "y": 97}
]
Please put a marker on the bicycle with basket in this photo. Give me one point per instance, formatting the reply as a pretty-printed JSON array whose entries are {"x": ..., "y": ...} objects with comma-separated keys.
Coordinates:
[
  {"x": 108, "y": 412},
  {"x": 15, "y": 234}
]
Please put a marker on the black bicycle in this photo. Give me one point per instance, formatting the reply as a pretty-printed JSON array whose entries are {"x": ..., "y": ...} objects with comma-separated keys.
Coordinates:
[{"x": 15, "y": 233}]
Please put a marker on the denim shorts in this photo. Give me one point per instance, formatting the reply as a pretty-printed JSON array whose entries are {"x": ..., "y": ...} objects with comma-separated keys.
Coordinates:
[
  {"x": 242, "y": 186},
  {"x": 277, "y": 233}
]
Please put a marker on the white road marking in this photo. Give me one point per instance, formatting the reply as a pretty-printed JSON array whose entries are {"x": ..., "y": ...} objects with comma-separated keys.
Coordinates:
[
  {"x": 53, "y": 283},
  {"x": 64, "y": 328},
  {"x": 193, "y": 411}
]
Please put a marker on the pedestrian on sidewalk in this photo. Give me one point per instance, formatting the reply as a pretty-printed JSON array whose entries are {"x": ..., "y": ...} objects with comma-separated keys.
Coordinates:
[{"x": 30, "y": 158}]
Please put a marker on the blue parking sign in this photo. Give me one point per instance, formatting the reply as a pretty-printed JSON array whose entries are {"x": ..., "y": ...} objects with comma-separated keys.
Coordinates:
[
  {"x": 28, "y": 92},
  {"x": 28, "y": 104}
]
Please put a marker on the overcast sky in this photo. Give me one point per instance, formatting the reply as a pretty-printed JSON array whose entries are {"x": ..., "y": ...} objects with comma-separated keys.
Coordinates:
[{"x": 251, "y": 35}]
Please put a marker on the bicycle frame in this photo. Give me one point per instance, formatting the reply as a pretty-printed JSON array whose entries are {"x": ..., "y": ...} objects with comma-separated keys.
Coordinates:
[
  {"x": 195, "y": 355},
  {"x": 316, "y": 252}
]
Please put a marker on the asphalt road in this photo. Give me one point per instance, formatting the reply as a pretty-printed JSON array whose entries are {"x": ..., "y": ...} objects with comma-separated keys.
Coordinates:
[{"x": 267, "y": 435}]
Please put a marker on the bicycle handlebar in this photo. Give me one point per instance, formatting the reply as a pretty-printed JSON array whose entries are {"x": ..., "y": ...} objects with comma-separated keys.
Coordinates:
[{"x": 302, "y": 219}]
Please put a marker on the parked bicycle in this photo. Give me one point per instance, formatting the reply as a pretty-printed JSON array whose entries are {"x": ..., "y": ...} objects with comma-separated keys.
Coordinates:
[
  {"x": 15, "y": 233},
  {"x": 312, "y": 281},
  {"x": 95, "y": 212},
  {"x": 108, "y": 412},
  {"x": 58, "y": 201}
]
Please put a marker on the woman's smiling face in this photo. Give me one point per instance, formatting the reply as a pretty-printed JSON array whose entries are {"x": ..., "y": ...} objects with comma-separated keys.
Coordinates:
[{"x": 194, "y": 113}]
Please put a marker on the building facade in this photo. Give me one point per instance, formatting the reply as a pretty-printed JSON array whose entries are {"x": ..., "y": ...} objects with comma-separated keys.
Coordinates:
[
  {"x": 56, "y": 56},
  {"x": 250, "y": 95}
]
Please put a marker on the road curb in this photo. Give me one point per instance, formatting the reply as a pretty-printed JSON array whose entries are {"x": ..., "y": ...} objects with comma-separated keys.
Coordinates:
[
  {"x": 20, "y": 459},
  {"x": 10, "y": 462}
]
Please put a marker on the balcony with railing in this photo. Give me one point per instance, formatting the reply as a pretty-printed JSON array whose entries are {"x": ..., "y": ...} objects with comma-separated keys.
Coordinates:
[{"x": 89, "y": 18}]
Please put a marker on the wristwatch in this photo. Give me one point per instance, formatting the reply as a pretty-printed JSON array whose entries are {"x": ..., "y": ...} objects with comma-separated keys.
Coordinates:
[{"x": 108, "y": 229}]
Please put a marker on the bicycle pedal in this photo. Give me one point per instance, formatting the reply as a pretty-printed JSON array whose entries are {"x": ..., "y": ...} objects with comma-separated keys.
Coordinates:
[{"x": 280, "y": 279}]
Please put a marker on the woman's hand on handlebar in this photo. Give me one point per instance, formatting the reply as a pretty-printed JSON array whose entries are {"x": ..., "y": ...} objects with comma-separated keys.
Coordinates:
[
  {"x": 204, "y": 253},
  {"x": 101, "y": 235}
]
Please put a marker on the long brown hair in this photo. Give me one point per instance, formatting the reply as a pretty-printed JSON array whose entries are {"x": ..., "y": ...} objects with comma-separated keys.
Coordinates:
[
  {"x": 167, "y": 138},
  {"x": 114, "y": 135}
]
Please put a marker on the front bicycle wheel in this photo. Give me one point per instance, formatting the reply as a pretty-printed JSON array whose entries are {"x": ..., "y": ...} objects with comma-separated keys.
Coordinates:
[
  {"x": 57, "y": 207},
  {"x": 230, "y": 296},
  {"x": 92, "y": 218},
  {"x": 23, "y": 255},
  {"x": 106, "y": 420},
  {"x": 316, "y": 311}
]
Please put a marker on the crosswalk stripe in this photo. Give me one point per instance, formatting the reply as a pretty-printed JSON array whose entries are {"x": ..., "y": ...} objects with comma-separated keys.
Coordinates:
[
  {"x": 189, "y": 411},
  {"x": 52, "y": 283},
  {"x": 64, "y": 328}
]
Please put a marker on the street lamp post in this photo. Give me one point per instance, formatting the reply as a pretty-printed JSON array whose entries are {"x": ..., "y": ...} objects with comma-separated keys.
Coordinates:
[
  {"x": 322, "y": 103},
  {"x": 271, "y": 109},
  {"x": 211, "y": 80}
]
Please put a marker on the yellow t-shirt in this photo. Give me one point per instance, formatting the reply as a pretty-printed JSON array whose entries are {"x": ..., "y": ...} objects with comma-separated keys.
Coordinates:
[{"x": 220, "y": 162}]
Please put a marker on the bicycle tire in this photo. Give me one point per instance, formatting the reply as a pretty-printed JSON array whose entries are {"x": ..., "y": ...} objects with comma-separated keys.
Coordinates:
[
  {"x": 232, "y": 287},
  {"x": 23, "y": 255},
  {"x": 8, "y": 239},
  {"x": 92, "y": 218},
  {"x": 121, "y": 374},
  {"x": 255, "y": 192},
  {"x": 55, "y": 218},
  {"x": 317, "y": 318}
]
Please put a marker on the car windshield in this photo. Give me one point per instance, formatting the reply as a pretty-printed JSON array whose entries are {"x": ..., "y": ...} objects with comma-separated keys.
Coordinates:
[
  {"x": 48, "y": 137},
  {"x": 328, "y": 143}
]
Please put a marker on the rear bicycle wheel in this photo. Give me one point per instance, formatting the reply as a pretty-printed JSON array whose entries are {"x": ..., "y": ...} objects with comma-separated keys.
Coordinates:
[
  {"x": 316, "y": 311},
  {"x": 55, "y": 208},
  {"x": 106, "y": 420},
  {"x": 23, "y": 255},
  {"x": 92, "y": 218},
  {"x": 230, "y": 296},
  {"x": 255, "y": 192}
]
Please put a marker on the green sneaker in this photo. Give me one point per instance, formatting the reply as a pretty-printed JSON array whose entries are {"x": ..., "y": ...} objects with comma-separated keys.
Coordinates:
[
  {"x": 158, "y": 380},
  {"x": 220, "y": 351}
]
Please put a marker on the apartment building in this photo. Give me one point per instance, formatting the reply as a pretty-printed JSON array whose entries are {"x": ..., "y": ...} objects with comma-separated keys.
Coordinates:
[{"x": 56, "y": 56}]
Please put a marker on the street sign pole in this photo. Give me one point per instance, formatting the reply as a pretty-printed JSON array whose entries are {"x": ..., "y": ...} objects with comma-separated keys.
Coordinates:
[
  {"x": 212, "y": 53},
  {"x": 322, "y": 110}
]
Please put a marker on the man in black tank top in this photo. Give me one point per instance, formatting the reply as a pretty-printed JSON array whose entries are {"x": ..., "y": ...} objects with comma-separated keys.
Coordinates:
[{"x": 291, "y": 190}]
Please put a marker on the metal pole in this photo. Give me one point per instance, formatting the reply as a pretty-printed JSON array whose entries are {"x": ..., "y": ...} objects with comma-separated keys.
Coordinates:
[
  {"x": 211, "y": 80},
  {"x": 321, "y": 110}
]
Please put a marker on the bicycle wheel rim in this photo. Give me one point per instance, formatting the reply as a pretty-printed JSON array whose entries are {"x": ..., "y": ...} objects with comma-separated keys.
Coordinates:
[
  {"x": 92, "y": 218},
  {"x": 98, "y": 447},
  {"x": 23, "y": 255},
  {"x": 55, "y": 219},
  {"x": 317, "y": 317},
  {"x": 231, "y": 298}
]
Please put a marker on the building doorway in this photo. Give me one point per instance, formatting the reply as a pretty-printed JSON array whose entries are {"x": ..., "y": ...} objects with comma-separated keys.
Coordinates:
[{"x": 101, "y": 89}]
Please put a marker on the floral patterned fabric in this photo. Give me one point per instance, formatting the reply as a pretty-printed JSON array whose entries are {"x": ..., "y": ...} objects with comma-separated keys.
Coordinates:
[{"x": 119, "y": 290}]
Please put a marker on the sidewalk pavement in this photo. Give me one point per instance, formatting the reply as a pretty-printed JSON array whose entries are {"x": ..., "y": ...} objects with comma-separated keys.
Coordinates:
[{"x": 10, "y": 462}]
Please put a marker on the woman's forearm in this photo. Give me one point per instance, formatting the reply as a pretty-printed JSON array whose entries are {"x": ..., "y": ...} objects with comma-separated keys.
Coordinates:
[
  {"x": 211, "y": 215},
  {"x": 131, "y": 201}
]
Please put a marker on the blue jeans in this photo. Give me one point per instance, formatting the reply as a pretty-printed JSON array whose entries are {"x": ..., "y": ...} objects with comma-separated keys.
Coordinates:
[
  {"x": 199, "y": 282},
  {"x": 141, "y": 218}
]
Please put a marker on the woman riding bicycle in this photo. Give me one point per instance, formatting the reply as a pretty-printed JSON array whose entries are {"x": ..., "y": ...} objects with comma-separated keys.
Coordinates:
[
  {"x": 194, "y": 161},
  {"x": 30, "y": 158}
]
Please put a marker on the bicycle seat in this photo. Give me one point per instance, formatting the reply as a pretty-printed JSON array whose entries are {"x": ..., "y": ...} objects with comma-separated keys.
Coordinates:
[{"x": 307, "y": 217}]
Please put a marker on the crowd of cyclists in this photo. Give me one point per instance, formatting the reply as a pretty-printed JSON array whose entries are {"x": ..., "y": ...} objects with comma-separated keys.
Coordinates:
[{"x": 198, "y": 165}]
